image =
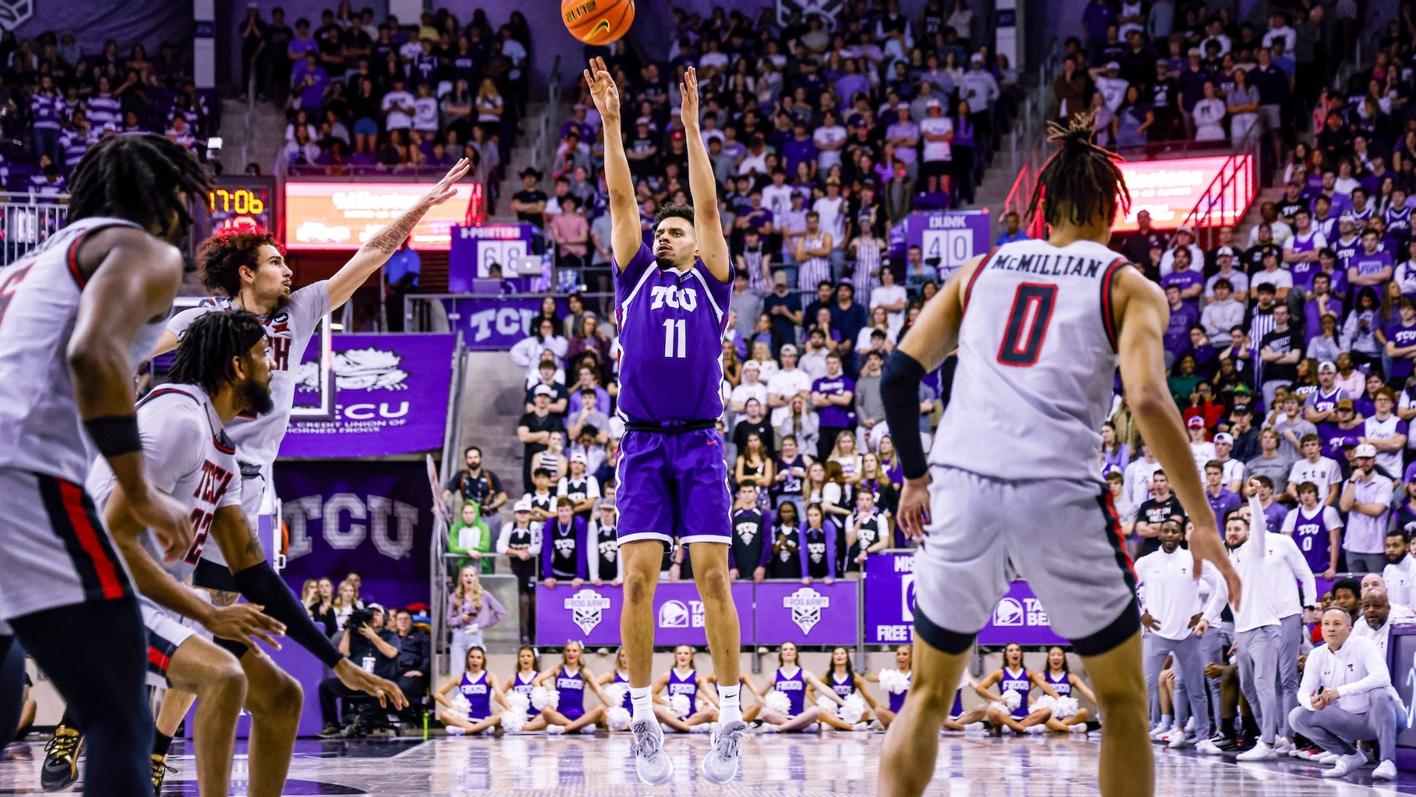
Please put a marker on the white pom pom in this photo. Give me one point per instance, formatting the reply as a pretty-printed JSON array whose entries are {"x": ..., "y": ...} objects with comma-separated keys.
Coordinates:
[
  {"x": 543, "y": 698},
  {"x": 999, "y": 705},
  {"x": 615, "y": 693},
  {"x": 826, "y": 704},
  {"x": 679, "y": 705},
  {"x": 893, "y": 681},
  {"x": 617, "y": 718},
  {"x": 1012, "y": 699},
  {"x": 778, "y": 702},
  {"x": 515, "y": 717},
  {"x": 854, "y": 708},
  {"x": 1064, "y": 708},
  {"x": 518, "y": 703},
  {"x": 460, "y": 706},
  {"x": 1045, "y": 701}
]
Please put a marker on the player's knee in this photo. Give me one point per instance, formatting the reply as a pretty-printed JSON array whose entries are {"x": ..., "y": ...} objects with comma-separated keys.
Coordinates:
[
  {"x": 636, "y": 587},
  {"x": 226, "y": 679}
]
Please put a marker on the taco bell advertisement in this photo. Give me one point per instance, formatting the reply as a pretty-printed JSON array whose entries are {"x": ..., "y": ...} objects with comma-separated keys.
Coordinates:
[
  {"x": 890, "y": 603},
  {"x": 385, "y": 394}
]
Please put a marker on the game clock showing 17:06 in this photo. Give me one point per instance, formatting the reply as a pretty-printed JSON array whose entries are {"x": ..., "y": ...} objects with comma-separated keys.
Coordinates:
[{"x": 242, "y": 204}]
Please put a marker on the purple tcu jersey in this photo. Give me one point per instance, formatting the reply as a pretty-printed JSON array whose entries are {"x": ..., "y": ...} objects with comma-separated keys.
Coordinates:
[
  {"x": 523, "y": 687},
  {"x": 686, "y": 686},
  {"x": 479, "y": 695},
  {"x": 843, "y": 689},
  {"x": 897, "y": 699},
  {"x": 572, "y": 693},
  {"x": 671, "y": 330},
  {"x": 1062, "y": 684},
  {"x": 794, "y": 687},
  {"x": 1020, "y": 683},
  {"x": 1313, "y": 536},
  {"x": 620, "y": 679}
]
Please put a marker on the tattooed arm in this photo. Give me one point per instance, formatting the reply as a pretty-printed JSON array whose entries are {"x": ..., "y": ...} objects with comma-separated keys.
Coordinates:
[{"x": 373, "y": 254}]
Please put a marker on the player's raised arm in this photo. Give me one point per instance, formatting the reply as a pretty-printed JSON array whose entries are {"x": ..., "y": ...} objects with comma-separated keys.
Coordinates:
[
  {"x": 703, "y": 186},
  {"x": 625, "y": 238},
  {"x": 376, "y": 252},
  {"x": 1142, "y": 316}
]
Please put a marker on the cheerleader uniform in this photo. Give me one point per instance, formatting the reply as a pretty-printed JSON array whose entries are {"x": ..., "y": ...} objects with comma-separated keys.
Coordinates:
[
  {"x": 627, "y": 704},
  {"x": 843, "y": 689},
  {"x": 1020, "y": 683},
  {"x": 478, "y": 694},
  {"x": 897, "y": 699},
  {"x": 524, "y": 687},
  {"x": 572, "y": 694},
  {"x": 686, "y": 686},
  {"x": 794, "y": 688},
  {"x": 1062, "y": 686}
]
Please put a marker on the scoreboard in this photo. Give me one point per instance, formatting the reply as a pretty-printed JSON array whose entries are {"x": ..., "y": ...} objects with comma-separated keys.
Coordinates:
[{"x": 244, "y": 203}]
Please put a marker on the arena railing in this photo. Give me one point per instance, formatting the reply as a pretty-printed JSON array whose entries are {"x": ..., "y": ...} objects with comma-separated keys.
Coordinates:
[
  {"x": 1228, "y": 196},
  {"x": 27, "y": 220},
  {"x": 543, "y": 146},
  {"x": 452, "y": 437}
]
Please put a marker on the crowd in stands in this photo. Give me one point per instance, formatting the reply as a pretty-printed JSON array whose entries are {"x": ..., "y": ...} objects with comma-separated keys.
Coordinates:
[{"x": 56, "y": 101}]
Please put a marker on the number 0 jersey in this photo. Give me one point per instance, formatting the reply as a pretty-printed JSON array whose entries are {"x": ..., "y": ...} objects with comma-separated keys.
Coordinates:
[
  {"x": 671, "y": 330},
  {"x": 1037, "y": 359},
  {"x": 187, "y": 456}
]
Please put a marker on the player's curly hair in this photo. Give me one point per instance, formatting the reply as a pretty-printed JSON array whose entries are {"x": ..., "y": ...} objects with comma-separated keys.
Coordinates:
[
  {"x": 210, "y": 344},
  {"x": 1081, "y": 181},
  {"x": 133, "y": 177},
  {"x": 221, "y": 257},
  {"x": 673, "y": 211}
]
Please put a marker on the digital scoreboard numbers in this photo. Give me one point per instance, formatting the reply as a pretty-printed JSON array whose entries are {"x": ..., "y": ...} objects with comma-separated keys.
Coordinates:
[{"x": 241, "y": 203}]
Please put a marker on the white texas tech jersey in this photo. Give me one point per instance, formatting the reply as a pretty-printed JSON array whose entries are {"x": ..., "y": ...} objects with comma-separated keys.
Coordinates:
[
  {"x": 189, "y": 457},
  {"x": 1037, "y": 360},
  {"x": 40, "y": 428}
]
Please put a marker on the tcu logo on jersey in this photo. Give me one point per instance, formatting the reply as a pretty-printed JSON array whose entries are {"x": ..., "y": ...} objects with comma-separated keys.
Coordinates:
[{"x": 673, "y": 296}]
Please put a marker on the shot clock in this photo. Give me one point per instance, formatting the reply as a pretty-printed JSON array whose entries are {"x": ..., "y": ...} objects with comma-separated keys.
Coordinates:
[{"x": 245, "y": 203}]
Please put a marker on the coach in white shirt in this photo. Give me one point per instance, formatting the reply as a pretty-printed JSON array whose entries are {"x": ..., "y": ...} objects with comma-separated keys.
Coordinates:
[
  {"x": 1171, "y": 610},
  {"x": 1378, "y": 616},
  {"x": 1400, "y": 572},
  {"x": 1287, "y": 570},
  {"x": 1345, "y": 697},
  {"x": 1367, "y": 497},
  {"x": 1256, "y": 628}
]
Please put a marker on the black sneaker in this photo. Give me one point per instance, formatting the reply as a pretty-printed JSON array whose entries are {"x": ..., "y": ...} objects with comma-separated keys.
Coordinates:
[
  {"x": 330, "y": 731},
  {"x": 61, "y": 759},
  {"x": 159, "y": 773},
  {"x": 354, "y": 730}
]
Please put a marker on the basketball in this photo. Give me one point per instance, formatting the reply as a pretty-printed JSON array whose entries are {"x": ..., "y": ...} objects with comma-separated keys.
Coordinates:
[{"x": 597, "y": 21}]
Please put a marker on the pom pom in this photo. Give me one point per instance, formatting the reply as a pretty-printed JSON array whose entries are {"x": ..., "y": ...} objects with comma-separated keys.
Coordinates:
[
  {"x": 1012, "y": 699},
  {"x": 1045, "y": 701},
  {"x": 826, "y": 705},
  {"x": 519, "y": 703},
  {"x": 893, "y": 681},
  {"x": 515, "y": 718},
  {"x": 615, "y": 693},
  {"x": 543, "y": 698},
  {"x": 999, "y": 705},
  {"x": 460, "y": 706},
  {"x": 1064, "y": 708},
  {"x": 778, "y": 702},
  {"x": 679, "y": 705},
  {"x": 854, "y": 708},
  {"x": 617, "y": 718}
]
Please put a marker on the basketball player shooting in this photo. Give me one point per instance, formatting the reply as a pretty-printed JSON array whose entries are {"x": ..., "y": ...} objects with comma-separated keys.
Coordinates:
[
  {"x": 1040, "y": 327},
  {"x": 672, "y": 311}
]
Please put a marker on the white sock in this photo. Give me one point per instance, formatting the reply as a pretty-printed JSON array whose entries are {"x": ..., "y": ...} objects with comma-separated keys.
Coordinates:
[
  {"x": 641, "y": 697},
  {"x": 729, "y": 710}
]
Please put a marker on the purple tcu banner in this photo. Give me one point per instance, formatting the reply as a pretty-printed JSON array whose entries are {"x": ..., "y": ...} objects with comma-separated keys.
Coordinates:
[
  {"x": 950, "y": 236},
  {"x": 388, "y": 396},
  {"x": 819, "y": 614},
  {"x": 890, "y": 601},
  {"x": 591, "y": 614},
  {"x": 374, "y": 518},
  {"x": 495, "y": 323}
]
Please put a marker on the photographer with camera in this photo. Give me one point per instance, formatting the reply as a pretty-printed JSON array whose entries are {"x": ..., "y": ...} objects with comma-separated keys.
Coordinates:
[
  {"x": 1367, "y": 497},
  {"x": 369, "y": 646}
]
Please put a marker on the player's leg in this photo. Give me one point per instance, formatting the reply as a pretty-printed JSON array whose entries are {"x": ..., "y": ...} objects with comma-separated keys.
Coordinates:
[
  {"x": 960, "y": 575},
  {"x": 214, "y": 675},
  {"x": 275, "y": 701},
  {"x": 12, "y": 683},
  {"x": 720, "y": 617},
  {"x": 640, "y": 560},
  {"x": 175, "y": 705},
  {"x": 1127, "y": 765}
]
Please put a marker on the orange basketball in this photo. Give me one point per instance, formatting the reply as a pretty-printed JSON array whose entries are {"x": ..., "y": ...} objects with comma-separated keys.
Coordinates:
[{"x": 597, "y": 21}]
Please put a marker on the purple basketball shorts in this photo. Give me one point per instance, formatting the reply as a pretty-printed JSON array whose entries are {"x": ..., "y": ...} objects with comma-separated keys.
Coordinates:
[{"x": 673, "y": 485}]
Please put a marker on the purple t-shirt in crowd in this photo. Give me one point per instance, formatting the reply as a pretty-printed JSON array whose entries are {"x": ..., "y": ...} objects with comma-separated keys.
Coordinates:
[
  {"x": 1177, "y": 335},
  {"x": 1184, "y": 280},
  {"x": 671, "y": 330},
  {"x": 1401, "y": 336},
  {"x": 1370, "y": 264},
  {"x": 833, "y": 416}
]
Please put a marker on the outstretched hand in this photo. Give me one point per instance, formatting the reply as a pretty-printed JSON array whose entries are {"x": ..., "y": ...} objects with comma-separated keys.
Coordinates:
[
  {"x": 1206, "y": 547},
  {"x": 447, "y": 187},
  {"x": 688, "y": 89},
  {"x": 602, "y": 89}
]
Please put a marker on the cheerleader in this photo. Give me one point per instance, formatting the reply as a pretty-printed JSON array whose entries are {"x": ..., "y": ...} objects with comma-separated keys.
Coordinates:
[
  {"x": 478, "y": 688},
  {"x": 613, "y": 683},
  {"x": 847, "y": 685},
  {"x": 683, "y": 680},
  {"x": 790, "y": 712},
  {"x": 523, "y": 683},
  {"x": 1013, "y": 676},
  {"x": 962, "y": 720},
  {"x": 568, "y": 714},
  {"x": 1066, "y": 685},
  {"x": 900, "y": 676}
]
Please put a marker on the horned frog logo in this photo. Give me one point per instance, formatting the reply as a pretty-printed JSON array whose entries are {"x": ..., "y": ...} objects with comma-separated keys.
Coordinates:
[
  {"x": 14, "y": 13},
  {"x": 358, "y": 369}
]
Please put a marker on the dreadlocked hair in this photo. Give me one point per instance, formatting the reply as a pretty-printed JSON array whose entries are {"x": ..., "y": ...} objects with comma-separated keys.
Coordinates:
[
  {"x": 210, "y": 344},
  {"x": 1081, "y": 181},
  {"x": 220, "y": 258},
  {"x": 135, "y": 177}
]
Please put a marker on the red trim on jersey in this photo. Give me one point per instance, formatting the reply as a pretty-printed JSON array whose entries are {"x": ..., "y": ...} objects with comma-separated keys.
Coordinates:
[
  {"x": 218, "y": 439},
  {"x": 159, "y": 659},
  {"x": 1123, "y": 556},
  {"x": 1108, "y": 319},
  {"x": 968, "y": 289},
  {"x": 72, "y": 259},
  {"x": 106, "y": 569}
]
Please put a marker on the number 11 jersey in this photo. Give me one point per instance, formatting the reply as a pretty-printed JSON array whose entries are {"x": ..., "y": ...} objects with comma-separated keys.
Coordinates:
[
  {"x": 671, "y": 327},
  {"x": 1037, "y": 360}
]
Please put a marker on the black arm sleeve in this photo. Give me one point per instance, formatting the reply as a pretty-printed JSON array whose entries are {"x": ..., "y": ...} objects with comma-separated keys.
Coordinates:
[
  {"x": 260, "y": 585},
  {"x": 899, "y": 392}
]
